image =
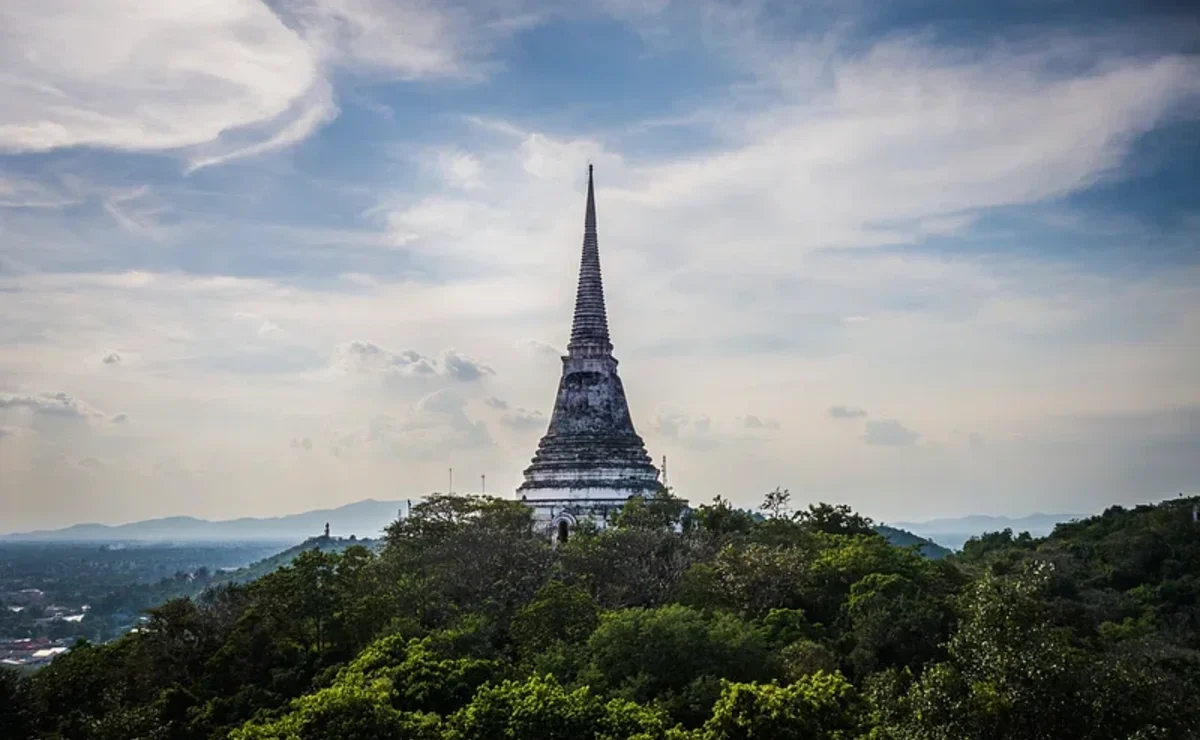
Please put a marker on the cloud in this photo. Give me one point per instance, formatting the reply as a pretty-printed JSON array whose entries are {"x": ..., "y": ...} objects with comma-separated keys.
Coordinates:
[
  {"x": 265, "y": 327},
  {"x": 463, "y": 368},
  {"x": 539, "y": 347},
  {"x": 435, "y": 426},
  {"x": 523, "y": 419},
  {"x": 907, "y": 141},
  {"x": 92, "y": 463},
  {"x": 59, "y": 405},
  {"x": 681, "y": 426},
  {"x": 229, "y": 78},
  {"x": 366, "y": 357},
  {"x": 457, "y": 168},
  {"x": 846, "y": 412},
  {"x": 496, "y": 403},
  {"x": 119, "y": 418},
  {"x": 889, "y": 433},
  {"x": 112, "y": 358},
  {"x": 361, "y": 357},
  {"x": 20, "y": 192},
  {"x": 167, "y": 79},
  {"x": 751, "y": 421},
  {"x": 301, "y": 443}
]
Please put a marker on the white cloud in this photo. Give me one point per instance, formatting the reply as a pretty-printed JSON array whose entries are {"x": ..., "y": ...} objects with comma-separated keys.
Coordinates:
[
  {"x": 542, "y": 348},
  {"x": 846, "y": 412},
  {"x": 265, "y": 327},
  {"x": 750, "y": 421},
  {"x": 301, "y": 443},
  {"x": 683, "y": 428},
  {"x": 20, "y": 192},
  {"x": 55, "y": 404},
  {"x": 461, "y": 367},
  {"x": 219, "y": 79},
  {"x": 158, "y": 77},
  {"x": 457, "y": 168},
  {"x": 909, "y": 142},
  {"x": 436, "y": 425},
  {"x": 361, "y": 356},
  {"x": 524, "y": 419},
  {"x": 889, "y": 433}
]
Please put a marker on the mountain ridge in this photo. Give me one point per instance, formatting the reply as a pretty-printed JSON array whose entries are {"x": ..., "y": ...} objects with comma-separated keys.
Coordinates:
[
  {"x": 365, "y": 518},
  {"x": 953, "y": 532},
  {"x": 368, "y": 517}
]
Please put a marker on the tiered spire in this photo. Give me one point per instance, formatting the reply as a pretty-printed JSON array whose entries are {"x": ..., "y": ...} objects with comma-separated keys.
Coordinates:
[
  {"x": 590, "y": 454},
  {"x": 589, "y": 333}
]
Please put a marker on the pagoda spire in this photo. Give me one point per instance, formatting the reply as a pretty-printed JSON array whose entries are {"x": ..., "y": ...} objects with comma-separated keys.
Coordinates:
[{"x": 589, "y": 333}]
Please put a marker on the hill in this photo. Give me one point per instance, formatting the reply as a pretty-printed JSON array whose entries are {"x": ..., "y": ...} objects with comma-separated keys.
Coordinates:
[
  {"x": 954, "y": 532},
  {"x": 269, "y": 565},
  {"x": 903, "y": 538},
  {"x": 363, "y": 519}
]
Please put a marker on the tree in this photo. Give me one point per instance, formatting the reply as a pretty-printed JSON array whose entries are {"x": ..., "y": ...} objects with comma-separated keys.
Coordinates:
[
  {"x": 831, "y": 519},
  {"x": 541, "y": 708},
  {"x": 892, "y": 622},
  {"x": 663, "y": 510},
  {"x": 777, "y": 502},
  {"x": 13, "y": 719},
  {"x": 460, "y": 554},
  {"x": 344, "y": 712},
  {"x": 630, "y": 567},
  {"x": 720, "y": 518},
  {"x": 675, "y": 655},
  {"x": 1011, "y": 672},
  {"x": 558, "y": 612},
  {"x": 820, "y": 706}
]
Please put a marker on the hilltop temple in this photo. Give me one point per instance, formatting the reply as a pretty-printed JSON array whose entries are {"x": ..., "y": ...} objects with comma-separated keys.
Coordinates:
[{"x": 590, "y": 461}]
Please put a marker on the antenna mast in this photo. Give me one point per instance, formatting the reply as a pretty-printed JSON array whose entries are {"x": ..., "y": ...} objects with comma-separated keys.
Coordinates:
[
  {"x": 482, "y": 484},
  {"x": 451, "y": 487},
  {"x": 664, "y": 471}
]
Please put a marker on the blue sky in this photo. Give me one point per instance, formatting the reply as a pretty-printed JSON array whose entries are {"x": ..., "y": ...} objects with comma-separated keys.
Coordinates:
[{"x": 258, "y": 258}]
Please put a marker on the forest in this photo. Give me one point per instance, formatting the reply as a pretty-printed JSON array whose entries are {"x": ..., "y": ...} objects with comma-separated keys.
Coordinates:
[{"x": 679, "y": 624}]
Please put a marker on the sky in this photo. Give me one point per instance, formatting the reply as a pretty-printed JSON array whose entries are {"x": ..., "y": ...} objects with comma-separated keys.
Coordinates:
[{"x": 925, "y": 258}]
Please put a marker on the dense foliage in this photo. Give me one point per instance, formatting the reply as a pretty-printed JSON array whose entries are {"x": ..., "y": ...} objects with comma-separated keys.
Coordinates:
[{"x": 720, "y": 626}]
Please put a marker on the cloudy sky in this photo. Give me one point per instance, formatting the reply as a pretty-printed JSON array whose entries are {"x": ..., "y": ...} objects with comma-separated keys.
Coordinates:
[{"x": 922, "y": 257}]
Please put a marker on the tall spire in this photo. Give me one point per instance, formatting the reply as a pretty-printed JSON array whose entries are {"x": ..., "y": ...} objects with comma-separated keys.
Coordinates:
[{"x": 589, "y": 333}]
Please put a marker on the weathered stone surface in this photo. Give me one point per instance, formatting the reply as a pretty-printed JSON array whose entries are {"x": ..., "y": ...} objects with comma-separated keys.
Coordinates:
[{"x": 591, "y": 455}]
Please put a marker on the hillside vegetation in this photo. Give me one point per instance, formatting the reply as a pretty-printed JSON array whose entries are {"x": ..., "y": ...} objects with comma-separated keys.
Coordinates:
[{"x": 468, "y": 625}]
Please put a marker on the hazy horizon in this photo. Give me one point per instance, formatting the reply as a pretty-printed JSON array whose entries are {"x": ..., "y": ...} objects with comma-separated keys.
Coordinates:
[
  {"x": 284, "y": 514},
  {"x": 928, "y": 260}
]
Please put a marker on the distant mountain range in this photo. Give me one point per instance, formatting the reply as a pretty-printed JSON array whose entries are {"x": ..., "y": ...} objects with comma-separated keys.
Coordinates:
[
  {"x": 904, "y": 538},
  {"x": 953, "y": 533},
  {"x": 368, "y": 519},
  {"x": 362, "y": 519}
]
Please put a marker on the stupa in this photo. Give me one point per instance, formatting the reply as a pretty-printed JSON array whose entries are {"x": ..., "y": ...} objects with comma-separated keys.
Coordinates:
[{"x": 591, "y": 460}]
